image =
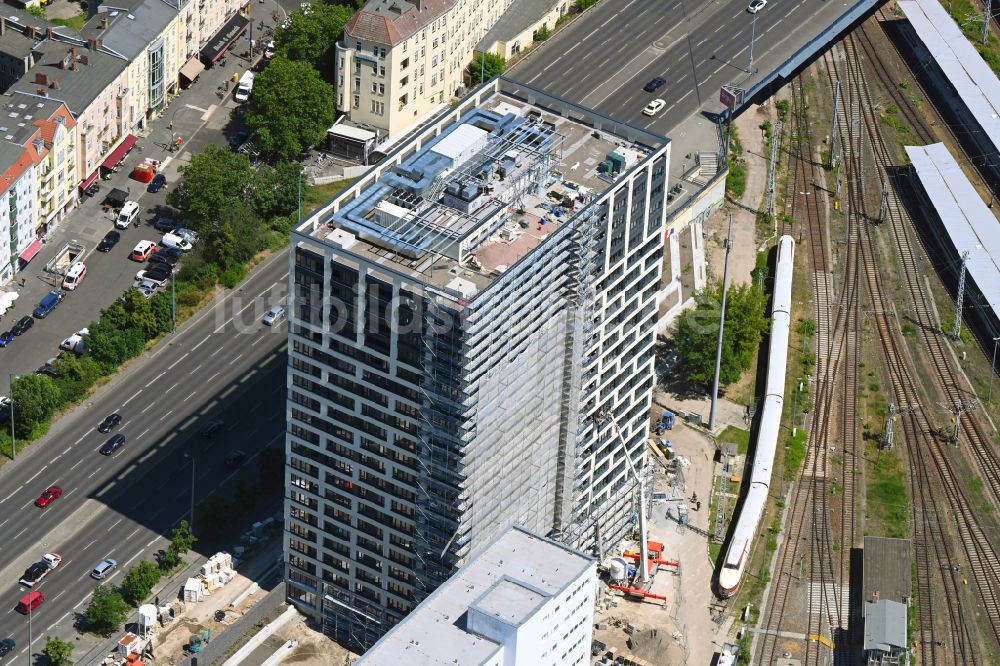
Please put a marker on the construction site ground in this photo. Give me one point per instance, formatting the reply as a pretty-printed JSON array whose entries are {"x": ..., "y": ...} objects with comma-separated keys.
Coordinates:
[
  {"x": 194, "y": 618},
  {"x": 681, "y": 630},
  {"x": 313, "y": 649}
]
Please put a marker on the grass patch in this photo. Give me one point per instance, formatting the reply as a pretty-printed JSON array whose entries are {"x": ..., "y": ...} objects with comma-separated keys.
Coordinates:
[
  {"x": 315, "y": 196},
  {"x": 795, "y": 454},
  {"x": 737, "y": 436},
  {"x": 76, "y": 22},
  {"x": 736, "y": 180},
  {"x": 887, "y": 499}
]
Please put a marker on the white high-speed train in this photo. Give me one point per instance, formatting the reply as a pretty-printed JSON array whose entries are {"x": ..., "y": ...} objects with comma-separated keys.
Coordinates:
[{"x": 748, "y": 520}]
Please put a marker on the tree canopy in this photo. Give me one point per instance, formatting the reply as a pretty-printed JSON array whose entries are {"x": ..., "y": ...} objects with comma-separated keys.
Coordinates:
[
  {"x": 697, "y": 332},
  {"x": 139, "y": 582},
  {"x": 35, "y": 398},
  {"x": 310, "y": 37},
  {"x": 290, "y": 109},
  {"x": 58, "y": 652},
  {"x": 210, "y": 182},
  {"x": 107, "y": 610},
  {"x": 495, "y": 64}
]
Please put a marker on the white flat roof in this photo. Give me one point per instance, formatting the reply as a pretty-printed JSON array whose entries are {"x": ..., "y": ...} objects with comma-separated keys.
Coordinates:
[
  {"x": 508, "y": 580},
  {"x": 349, "y": 132},
  {"x": 966, "y": 70},
  {"x": 970, "y": 224}
]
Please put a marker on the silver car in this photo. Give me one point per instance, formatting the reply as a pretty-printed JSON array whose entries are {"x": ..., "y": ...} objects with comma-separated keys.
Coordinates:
[
  {"x": 274, "y": 315},
  {"x": 102, "y": 570}
]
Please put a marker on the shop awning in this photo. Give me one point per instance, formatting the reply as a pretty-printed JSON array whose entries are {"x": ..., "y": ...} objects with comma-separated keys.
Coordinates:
[
  {"x": 118, "y": 154},
  {"x": 224, "y": 38},
  {"x": 88, "y": 181},
  {"x": 29, "y": 252},
  {"x": 192, "y": 68}
]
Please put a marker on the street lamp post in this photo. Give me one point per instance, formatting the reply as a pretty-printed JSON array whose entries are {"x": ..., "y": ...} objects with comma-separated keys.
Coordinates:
[
  {"x": 989, "y": 394},
  {"x": 753, "y": 35},
  {"x": 173, "y": 304}
]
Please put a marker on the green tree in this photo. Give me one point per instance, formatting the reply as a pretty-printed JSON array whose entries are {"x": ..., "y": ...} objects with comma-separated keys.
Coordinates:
[
  {"x": 275, "y": 192},
  {"x": 697, "y": 332},
  {"x": 310, "y": 38},
  {"x": 221, "y": 246},
  {"x": 181, "y": 542},
  {"x": 542, "y": 33},
  {"x": 210, "y": 181},
  {"x": 495, "y": 64},
  {"x": 214, "y": 514},
  {"x": 107, "y": 610},
  {"x": 59, "y": 653},
  {"x": 36, "y": 11},
  {"x": 35, "y": 398},
  {"x": 139, "y": 582},
  {"x": 162, "y": 310},
  {"x": 290, "y": 109}
]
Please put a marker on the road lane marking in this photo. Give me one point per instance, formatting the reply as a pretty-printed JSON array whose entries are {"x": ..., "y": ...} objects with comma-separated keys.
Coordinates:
[
  {"x": 152, "y": 541},
  {"x": 20, "y": 533},
  {"x": 116, "y": 523},
  {"x": 153, "y": 380},
  {"x": 201, "y": 343},
  {"x": 167, "y": 414},
  {"x": 143, "y": 433},
  {"x": 133, "y": 396},
  {"x": 171, "y": 366},
  {"x": 77, "y": 464},
  {"x": 79, "y": 440},
  {"x": 195, "y": 370},
  {"x": 81, "y": 601},
  {"x": 35, "y": 476},
  {"x": 4, "y": 522},
  {"x": 212, "y": 377},
  {"x": 146, "y": 408},
  {"x": 89, "y": 545},
  {"x": 68, "y": 449},
  {"x": 132, "y": 558},
  {"x": 172, "y": 387},
  {"x": 189, "y": 396},
  {"x": 132, "y": 533},
  {"x": 55, "y": 459},
  {"x": 94, "y": 473},
  {"x": 11, "y": 495},
  {"x": 238, "y": 357},
  {"x": 218, "y": 350}
]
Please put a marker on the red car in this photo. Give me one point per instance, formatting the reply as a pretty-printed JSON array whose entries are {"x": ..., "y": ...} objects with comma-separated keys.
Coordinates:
[{"x": 50, "y": 495}]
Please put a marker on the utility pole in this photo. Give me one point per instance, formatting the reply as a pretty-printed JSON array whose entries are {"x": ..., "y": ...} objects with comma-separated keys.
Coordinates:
[
  {"x": 957, "y": 330},
  {"x": 987, "y": 13},
  {"x": 722, "y": 324},
  {"x": 835, "y": 130},
  {"x": 884, "y": 207},
  {"x": 753, "y": 36},
  {"x": 13, "y": 443},
  {"x": 769, "y": 206}
]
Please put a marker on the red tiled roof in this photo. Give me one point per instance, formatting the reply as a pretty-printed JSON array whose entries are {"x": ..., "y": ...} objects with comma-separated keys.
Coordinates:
[
  {"x": 379, "y": 28},
  {"x": 14, "y": 172}
]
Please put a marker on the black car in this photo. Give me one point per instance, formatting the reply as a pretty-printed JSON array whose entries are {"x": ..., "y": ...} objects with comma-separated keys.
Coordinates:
[
  {"x": 109, "y": 241},
  {"x": 158, "y": 270},
  {"x": 49, "y": 370},
  {"x": 109, "y": 423},
  {"x": 113, "y": 444},
  {"x": 166, "y": 223},
  {"x": 7, "y": 645},
  {"x": 212, "y": 428},
  {"x": 236, "y": 458},
  {"x": 35, "y": 571},
  {"x": 22, "y": 325},
  {"x": 653, "y": 85},
  {"x": 158, "y": 183}
]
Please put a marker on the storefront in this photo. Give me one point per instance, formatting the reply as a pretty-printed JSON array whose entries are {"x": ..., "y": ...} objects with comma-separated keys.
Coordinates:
[{"x": 224, "y": 39}]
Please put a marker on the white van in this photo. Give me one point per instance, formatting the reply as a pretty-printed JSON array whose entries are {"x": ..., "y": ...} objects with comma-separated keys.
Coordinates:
[
  {"x": 175, "y": 241},
  {"x": 127, "y": 214},
  {"x": 245, "y": 87},
  {"x": 74, "y": 276}
]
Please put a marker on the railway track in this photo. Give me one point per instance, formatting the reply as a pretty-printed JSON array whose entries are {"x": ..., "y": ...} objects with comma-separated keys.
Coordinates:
[{"x": 938, "y": 495}]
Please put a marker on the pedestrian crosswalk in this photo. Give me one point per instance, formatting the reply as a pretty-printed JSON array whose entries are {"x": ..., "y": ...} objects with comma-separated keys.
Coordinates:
[{"x": 831, "y": 600}]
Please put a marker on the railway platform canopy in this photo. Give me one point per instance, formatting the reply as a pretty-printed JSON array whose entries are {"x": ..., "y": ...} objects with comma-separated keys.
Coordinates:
[
  {"x": 965, "y": 218},
  {"x": 957, "y": 58}
]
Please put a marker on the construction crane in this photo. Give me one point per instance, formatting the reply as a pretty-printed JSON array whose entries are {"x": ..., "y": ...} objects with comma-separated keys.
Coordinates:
[{"x": 604, "y": 417}]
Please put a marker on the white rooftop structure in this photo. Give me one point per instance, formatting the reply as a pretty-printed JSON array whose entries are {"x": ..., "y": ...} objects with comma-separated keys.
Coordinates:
[
  {"x": 966, "y": 70},
  {"x": 522, "y": 600},
  {"x": 970, "y": 225}
]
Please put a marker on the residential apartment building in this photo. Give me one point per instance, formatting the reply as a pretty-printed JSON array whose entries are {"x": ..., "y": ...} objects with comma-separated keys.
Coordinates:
[
  {"x": 522, "y": 601},
  {"x": 19, "y": 32},
  {"x": 400, "y": 61},
  {"x": 17, "y": 206},
  {"x": 39, "y": 174},
  {"x": 471, "y": 344}
]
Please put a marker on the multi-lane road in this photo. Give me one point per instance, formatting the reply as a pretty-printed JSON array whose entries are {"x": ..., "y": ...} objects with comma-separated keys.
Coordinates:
[
  {"x": 605, "y": 57},
  {"x": 223, "y": 364}
]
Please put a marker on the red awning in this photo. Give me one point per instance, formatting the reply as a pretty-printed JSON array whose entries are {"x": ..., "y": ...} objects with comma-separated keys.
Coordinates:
[
  {"x": 86, "y": 183},
  {"x": 118, "y": 153},
  {"x": 30, "y": 251}
]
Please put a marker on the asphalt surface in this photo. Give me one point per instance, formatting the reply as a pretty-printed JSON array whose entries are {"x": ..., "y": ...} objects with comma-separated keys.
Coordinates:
[
  {"x": 223, "y": 364},
  {"x": 604, "y": 58}
]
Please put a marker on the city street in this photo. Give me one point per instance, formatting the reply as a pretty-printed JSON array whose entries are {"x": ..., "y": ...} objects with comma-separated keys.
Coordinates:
[
  {"x": 224, "y": 365},
  {"x": 603, "y": 59},
  {"x": 199, "y": 116}
]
